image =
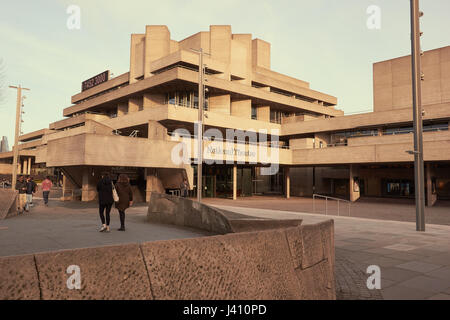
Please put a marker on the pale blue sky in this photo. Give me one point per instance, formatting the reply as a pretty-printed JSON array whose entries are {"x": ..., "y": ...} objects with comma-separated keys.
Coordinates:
[{"x": 324, "y": 42}]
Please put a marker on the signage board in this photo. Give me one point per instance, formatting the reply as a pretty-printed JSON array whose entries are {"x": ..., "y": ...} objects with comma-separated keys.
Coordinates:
[{"x": 95, "y": 81}]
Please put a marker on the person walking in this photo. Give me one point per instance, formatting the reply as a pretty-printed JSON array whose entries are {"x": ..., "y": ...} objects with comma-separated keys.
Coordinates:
[
  {"x": 31, "y": 188},
  {"x": 184, "y": 188},
  {"x": 21, "y": 186},
  {"x": 125, "y": 193},
  {"x": 46, "y": 187},
  {"x": 105, "y": 200}
]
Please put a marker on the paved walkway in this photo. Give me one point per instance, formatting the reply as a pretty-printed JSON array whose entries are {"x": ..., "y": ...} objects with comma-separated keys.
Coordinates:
[
  {"x": 374, "y": 208},
  {"x": 76, "y": 225},
  {"x": 414, "y": 265}
]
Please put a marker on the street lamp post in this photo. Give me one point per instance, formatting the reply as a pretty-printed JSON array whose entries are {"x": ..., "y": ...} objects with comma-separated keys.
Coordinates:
[
  {"x": 17, "y": 129},
  {"x": 201, "y": 103},
  {"x": 417, "y": 115}
]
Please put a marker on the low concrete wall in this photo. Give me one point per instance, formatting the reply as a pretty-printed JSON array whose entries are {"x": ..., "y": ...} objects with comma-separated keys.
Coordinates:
[
  {"x": 289, "y": 263},
  {"x": 175, "y": 210},
  {"x": 8, "y": 203}
]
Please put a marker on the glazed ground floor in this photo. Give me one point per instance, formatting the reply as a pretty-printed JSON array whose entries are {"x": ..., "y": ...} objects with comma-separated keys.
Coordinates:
[{"x": 235, "y": 181}]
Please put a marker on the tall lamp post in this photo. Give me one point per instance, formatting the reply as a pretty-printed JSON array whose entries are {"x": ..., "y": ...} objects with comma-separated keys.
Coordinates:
[
  {"x": 201, "y": 103},
  {"x": 16, "y": 136},
  {"x": 417, "y": 115}
]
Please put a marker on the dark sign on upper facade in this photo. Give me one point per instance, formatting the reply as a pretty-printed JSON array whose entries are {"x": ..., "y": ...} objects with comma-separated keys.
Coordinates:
[{"x": 95, "y": 81}]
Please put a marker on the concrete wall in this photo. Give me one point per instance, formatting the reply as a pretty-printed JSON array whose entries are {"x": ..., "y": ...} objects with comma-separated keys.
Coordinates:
[
  {"x": 6, "y": 168},
  {"x": 392, "y": 80},
  {"x": 289, "y": 263}
]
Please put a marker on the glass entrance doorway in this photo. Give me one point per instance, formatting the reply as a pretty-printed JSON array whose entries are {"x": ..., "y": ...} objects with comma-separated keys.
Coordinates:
[{"x": 218, "y": 181}]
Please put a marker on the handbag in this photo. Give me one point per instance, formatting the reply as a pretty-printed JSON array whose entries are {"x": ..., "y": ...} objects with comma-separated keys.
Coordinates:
[{"x": 114, "y": 193}]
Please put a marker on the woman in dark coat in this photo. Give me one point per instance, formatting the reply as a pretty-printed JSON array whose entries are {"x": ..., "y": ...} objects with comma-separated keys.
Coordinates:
[
  {"x": 105, "y": 200},
  {"x": 125, "y": 198}
]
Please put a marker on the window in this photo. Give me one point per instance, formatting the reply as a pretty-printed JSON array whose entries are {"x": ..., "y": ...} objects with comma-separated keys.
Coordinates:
[
  {"x": 254, "y": 112},
  {"x": 275, "y": 116},
  {"x": 170, "y": 98}
]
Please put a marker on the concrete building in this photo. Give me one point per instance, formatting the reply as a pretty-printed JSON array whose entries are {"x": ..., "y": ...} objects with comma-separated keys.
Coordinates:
[
  {"x": 4, "y": 146},
  {"x": 125, "y": 124}
]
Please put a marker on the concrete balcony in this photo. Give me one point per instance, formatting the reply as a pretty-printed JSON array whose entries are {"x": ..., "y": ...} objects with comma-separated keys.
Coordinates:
[
  {"x": 377, "y": 149},
  {"x": 88, "y": 149}
]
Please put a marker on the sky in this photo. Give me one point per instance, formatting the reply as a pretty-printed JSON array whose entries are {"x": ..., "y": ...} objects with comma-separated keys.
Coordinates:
[{"x": 324, "y": 42}]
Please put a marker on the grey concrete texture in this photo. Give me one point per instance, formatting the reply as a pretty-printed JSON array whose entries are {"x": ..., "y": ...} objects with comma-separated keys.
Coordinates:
[{"x": 253, "y": 265}]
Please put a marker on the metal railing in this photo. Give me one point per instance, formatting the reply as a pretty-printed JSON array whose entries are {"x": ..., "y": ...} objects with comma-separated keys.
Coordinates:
[{"x": 338, "y": 200}]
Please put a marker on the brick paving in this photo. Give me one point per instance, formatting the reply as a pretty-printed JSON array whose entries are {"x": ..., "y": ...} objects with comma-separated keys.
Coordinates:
[{"x": 351, "y": 280}]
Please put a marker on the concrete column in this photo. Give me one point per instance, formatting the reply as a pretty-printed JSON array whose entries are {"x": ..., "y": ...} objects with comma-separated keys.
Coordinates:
[
  {"x": 234, "y": 182},
  {"x": 64, "y": 187},
  {"x": 431, "y": 198},
  {"x": 287, "y": 179},
  {"x": 29, "y": 166},
  {"x": 354, "y": 183},
  {"x": 154, "y": 183},
  {"x": 85, "y": 185},
  {"x": 25, "y": 167},
  {"x": 88, "y": 188}
]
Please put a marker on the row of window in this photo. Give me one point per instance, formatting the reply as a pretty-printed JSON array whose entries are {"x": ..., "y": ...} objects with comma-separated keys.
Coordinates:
[
  {"x": 187, "y": 99},
  {"x": 392, "y": 131}
]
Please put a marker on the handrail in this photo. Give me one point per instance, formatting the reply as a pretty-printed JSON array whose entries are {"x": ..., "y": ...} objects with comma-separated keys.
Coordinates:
[{"x": 326, "y": 203}]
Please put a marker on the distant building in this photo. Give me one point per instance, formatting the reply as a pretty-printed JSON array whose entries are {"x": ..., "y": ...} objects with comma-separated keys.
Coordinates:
[{"x": 4, "y": 147}]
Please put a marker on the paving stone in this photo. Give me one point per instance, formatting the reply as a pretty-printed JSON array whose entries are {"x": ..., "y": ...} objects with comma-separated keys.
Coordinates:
[
  {"x": 425, "y": 252},
  {"x": 362, "y": 256},
  {"x": 382, "y": 261},
  {"x": 386, "y": 283},
  {"x": 425, "y": 283},
  {"x": 401, "y": 247},
  {"x": 442, "y": 273},
  {"x": 405, "y": 256},
  {"x": 418, "y": 266},
  {"x": 441, "y": 259},
  {"x": 358, "y": 240},
  {"x": 440, "y": 296},
  {"x": 356, "y": 247},
  {"x": 398, "y": 274},
  {"x": 404, "y": 293},
  {"x": 381, "y": 251}
]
